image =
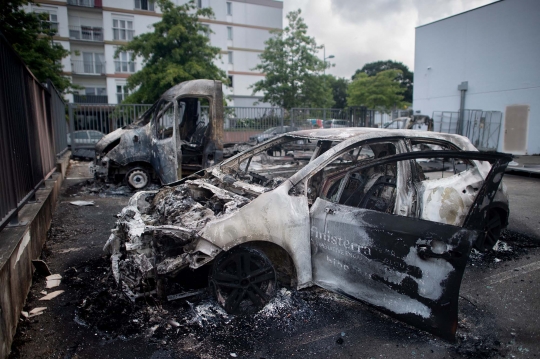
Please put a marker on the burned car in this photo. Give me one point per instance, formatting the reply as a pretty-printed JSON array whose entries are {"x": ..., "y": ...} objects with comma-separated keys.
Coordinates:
[
  {"x": 387, "y": 217},
  {"x": 172, "y": 138}
]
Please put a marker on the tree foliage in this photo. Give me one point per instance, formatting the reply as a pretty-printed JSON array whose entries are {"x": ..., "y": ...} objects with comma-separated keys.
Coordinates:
[
  {"x": 292, "y": 68},
  {"x": 30, "y": 34},
  {"x": 380, "y": 92},
  {"x": 177, "y": 50},
  {"x": 405, "y": 76},
  {"x": 339, "y": 87}
]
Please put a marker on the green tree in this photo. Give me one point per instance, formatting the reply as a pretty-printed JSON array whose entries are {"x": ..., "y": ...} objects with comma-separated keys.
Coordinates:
[
  {"x": 177, "y": 50},
  {"x": 292, "y": 68},
  {"x": 31, "y": 34},
  {"x": 405, "y": 76},
  {"x": 339, "y": 87},
  {"x": 380, "y": 92}
]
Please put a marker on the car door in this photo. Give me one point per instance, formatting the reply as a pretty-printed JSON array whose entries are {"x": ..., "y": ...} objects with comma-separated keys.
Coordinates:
[
  {"x": 166, "y": 155},
  {"x": 407, "y": 267}
]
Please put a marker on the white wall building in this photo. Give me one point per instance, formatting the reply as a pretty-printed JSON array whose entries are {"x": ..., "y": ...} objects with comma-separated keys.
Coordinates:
[
  {"x": 91, "y": 30},
  {"x": 495, "y": 48}
]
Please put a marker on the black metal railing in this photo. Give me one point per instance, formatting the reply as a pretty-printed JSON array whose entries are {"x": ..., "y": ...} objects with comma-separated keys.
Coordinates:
[
  {"x": 90, "y": 99},
  {"x": 88, "y": 33},
  {"x": 88, "y": 67},
  {"x": 27, "y": 130},
  {"x": 85, "y": 3},
  {"x": 57, "y": 111}
]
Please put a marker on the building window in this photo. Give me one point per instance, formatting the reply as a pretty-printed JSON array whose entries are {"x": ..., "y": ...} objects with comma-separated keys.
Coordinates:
[
  {"x": 231, "y": 81},
  {"x": 93, "y": 63},
  {"x": 229, "y": 32},
  {"x": 52, "y": 19},
  {"x": 144, "y": 5},
  {"x": 95, "y": 91},
  {"x": 121, "y": 92},
  {"x": 199, "y": 4},
  {"x": 230, "y": 55},
  {"x": 123, "y": 30},
  {"x": 124, "y": 63},
  {"x": 229, "y": 8}
]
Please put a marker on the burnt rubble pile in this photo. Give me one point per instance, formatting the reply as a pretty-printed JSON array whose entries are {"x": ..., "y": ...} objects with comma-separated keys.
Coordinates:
[
  {"x": 106, "y": 310},
  {"x": 193, "y": 204},
  {"x": 156, "y": 236}
]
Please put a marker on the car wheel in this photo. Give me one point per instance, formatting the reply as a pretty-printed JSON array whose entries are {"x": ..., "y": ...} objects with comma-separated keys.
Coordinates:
[
  {"x": 492, "y": 229},
  {"x": 243, "y": 280},
  {"x": 137, "y": 178}
]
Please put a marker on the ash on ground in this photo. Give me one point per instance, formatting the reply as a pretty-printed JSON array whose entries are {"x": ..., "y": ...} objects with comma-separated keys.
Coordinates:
[
  {"x": 511, "y": 246},
  {"x": 95, "y": 187}
]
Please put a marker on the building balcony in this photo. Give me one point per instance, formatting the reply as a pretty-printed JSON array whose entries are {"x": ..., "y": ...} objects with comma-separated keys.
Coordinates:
[
  {"x": 90, "y": 99},
  {"x": 124, "y": 66},
  {"x": 85, "y": 3},
  {"x": 88, "y": 68},
  {"x": 87, "y": 33}
]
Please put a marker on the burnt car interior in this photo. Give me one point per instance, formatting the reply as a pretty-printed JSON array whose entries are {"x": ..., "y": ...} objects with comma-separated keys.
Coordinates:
[{"x": 193, "y": 125}]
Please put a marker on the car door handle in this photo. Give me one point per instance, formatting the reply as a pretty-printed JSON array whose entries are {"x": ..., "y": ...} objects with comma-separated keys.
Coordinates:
[
  {"x": 329, "y": 210},
  {"x": 424, "y": 252}
]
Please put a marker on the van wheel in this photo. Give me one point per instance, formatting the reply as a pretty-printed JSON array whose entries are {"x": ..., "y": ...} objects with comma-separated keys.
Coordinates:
[
  {"x": 243, "y": 280},
  {"x": 137, "y": 178}
]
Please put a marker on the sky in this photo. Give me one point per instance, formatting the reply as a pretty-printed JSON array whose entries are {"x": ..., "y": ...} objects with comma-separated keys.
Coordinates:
[{"x": 357, "y": 32}]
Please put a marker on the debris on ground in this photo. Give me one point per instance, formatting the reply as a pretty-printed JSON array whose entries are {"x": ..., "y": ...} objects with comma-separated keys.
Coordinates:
[
  {"x": 52, "y": 295},
  {"x": 53, "y": 281},
  {"x": 100, "y": 188},
  {"x": 511, "y": 245},
  {"x": 83, "y": 203},
  {"x": 41, "y": 267}
]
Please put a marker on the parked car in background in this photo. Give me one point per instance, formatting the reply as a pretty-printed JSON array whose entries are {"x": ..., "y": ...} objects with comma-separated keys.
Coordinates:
[
  {"x": 272, "y": 132},
  {"x": 85, "y": 137},
  {"x": 333, "y": 123},
  {"x": 314, "y": 122},
  {"x": 85, "y": 143}
]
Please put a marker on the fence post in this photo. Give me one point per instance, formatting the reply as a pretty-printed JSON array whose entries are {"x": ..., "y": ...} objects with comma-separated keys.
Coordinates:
[{"x": 72, "y": 127}]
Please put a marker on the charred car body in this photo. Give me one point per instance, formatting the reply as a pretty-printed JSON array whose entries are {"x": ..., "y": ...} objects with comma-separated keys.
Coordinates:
[
  {"x": 387, "y": 217},
  {"x": 172, "y": 137}
]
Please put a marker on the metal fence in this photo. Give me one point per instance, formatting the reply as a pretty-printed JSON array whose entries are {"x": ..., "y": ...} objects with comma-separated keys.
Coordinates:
[
  {"x": 243, "y": 123},
  {"x": 481, "y": 127},
  {"x": 57, "y": 110},
  {"x": 28, "y": 112},
  {"x": 351, "y": 117}
]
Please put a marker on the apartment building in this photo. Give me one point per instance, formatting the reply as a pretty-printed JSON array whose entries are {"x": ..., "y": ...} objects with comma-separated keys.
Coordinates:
[{"x": 91, "y": 30}]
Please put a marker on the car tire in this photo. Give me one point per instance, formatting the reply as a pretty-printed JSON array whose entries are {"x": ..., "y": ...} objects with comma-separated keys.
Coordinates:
[
  {"x": 492, "y": 229},
  {"x": 137, "y": 178},
  {"x": 243, "y": 280}
]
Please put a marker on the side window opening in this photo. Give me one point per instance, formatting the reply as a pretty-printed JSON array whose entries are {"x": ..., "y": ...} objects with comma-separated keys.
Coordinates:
[
  {"x": 194, "y": 121},
  {"x": 342, "y": 176},
  {"x": 164, "y": 120}
]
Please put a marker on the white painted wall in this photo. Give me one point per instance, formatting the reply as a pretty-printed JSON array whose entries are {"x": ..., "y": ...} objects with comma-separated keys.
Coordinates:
[{"x": 496, "y": 49}]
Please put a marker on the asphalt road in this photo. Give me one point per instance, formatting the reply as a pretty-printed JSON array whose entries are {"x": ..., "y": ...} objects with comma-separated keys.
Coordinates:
[{"x": 498, "y": 316}]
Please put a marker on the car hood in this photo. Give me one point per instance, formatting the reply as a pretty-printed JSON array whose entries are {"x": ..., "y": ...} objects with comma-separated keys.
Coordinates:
[{"x": 110, "y": 138}]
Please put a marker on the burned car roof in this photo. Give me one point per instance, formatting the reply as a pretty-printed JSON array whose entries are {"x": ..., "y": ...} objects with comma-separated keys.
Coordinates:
[
  {"x": 193, "y": 87},
  {"x": 360, "y": 133}
]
